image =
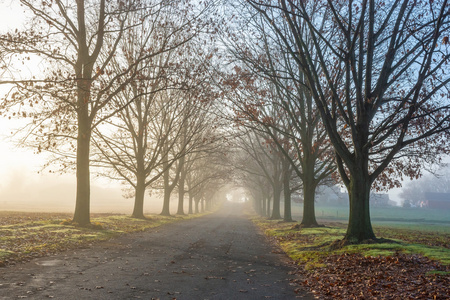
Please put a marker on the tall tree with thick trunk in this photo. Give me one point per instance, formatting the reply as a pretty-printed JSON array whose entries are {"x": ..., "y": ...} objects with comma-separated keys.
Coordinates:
[
  {"x": 77, "y": 43},
  {"x": 376, "y": 72}
]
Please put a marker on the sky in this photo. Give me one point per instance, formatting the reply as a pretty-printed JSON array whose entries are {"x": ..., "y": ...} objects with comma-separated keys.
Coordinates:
[{"x": 22, "y": 188}]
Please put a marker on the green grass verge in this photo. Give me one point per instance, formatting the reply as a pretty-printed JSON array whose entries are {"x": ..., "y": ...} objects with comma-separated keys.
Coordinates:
[{"x": 311, "y": 245}]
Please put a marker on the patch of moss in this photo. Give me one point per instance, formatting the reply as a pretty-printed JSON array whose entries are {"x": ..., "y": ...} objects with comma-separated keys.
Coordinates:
[
  {"x": 310, "y": 259},
  {"x": 437, "y": 253},
  {"x": 45, "y": 227},
  {"x": 439, "y": 273},
  {"x": 324, "y": 231},
  {"x": 372, "y": 249},
  {"x": 66, "y": 230},
  {"x": 281, "y": 232},
  {"x": 5, "y": 253}
]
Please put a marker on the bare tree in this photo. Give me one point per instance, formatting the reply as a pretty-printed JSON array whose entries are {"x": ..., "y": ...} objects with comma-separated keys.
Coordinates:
[
  {"x": 77, "y": 42},
  {"x": 131, "y": 147},
  {"x": 206, "y": 176},
  {"x": 196, "y": 135},
  {"x": 267, "y": 76},
  {"x": 377, "y": 75},
  {"x": 248, "y": 175},
  {"x": 139, "y": 144},
  {"x": 264, "y": 159}
]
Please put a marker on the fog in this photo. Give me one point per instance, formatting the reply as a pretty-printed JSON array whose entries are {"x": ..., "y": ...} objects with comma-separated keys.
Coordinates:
[{"x": 25, "y": 190}]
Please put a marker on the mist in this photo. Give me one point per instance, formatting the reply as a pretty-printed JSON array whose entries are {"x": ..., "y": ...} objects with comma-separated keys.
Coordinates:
[{"x": 23, "y": 190}]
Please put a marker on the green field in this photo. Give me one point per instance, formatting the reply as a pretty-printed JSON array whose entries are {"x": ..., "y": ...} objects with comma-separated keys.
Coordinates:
[{"x": 409, "y": 218}]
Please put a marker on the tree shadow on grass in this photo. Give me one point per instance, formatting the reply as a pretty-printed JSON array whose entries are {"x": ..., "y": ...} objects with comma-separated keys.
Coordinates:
[{"x": 339, "y": 244}]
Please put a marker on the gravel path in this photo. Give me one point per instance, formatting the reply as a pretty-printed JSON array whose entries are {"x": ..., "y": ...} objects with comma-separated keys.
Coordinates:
[{"x": 218, "y": 256}]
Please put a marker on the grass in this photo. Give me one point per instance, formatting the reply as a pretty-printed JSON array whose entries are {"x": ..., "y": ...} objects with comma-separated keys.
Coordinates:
[
  {"x": 386, "y": 214},
  {"x": 441, "y": 273},
  {"x": 24, "y": 236},
  {"x": 310, "y": 245}
]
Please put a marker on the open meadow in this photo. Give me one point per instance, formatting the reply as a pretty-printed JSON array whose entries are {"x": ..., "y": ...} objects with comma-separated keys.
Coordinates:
[{"x": 424, "y": 219}]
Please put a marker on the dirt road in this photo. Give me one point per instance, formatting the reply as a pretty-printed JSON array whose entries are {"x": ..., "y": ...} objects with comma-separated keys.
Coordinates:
[{"x": 219, "y": 256}]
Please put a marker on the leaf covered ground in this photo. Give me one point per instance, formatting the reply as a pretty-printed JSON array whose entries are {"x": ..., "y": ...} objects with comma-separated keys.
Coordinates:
[
  {"x": 414, "y": 265},
  {"x": 27, "y": 235}
]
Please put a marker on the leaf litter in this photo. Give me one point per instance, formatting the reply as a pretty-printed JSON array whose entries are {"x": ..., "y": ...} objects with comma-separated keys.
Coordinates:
[
  {"x": 353, "y": 276},
  {"x": 350, "y": 273}
]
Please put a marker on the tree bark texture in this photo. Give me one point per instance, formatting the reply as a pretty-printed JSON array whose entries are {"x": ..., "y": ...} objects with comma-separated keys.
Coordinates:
[
  {"x": 309, "y": 212},
  {"x": 263, "y": 206},
  {"x": 180, "y": 210},
  {"x": 166, "y": 203},
  {"x": 82, "y": 205},
  {"x": 287, "y": 197},
  {"x": 359, "y": 225},
  {"x": 276, "y": 213},
  {"x": 138, "y": 210},
  {"x": 287, "y": 172},
  {"x": 196, "y": 200},
  {"x": 191, "y": 204}
]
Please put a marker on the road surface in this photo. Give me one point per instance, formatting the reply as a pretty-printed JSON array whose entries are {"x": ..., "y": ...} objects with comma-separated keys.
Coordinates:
[{"x": 218, "y": 256}]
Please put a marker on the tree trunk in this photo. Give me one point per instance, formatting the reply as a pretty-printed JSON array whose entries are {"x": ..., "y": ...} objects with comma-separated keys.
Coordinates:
[
  {"x": 168, "y": 188},
  {"x": 287, "y": 197},
  {"x": 202, "y": 202},
  {"x": 276, "y": 214},
  {"x": 138, "y": 211},
  {"x": 263, "y": 206},
  {"x": 358, "y": 185},
  {"x": 208, "y": 204},
  {"x": 196, "y": 205},
  {"x": 191, "y": 200},
  {"x": 287, "y": 172},
  {"x": 268, "y": 207},
  {"x": 309, "y": 212},
  {"x": 359, "y": 225},
  {"x": 82, "y": 206},
  {"x": 180, "y": 210},
  {"x": 166, "y": 204}
]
